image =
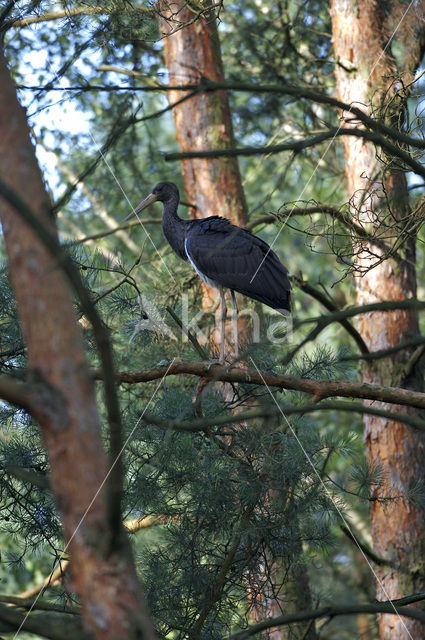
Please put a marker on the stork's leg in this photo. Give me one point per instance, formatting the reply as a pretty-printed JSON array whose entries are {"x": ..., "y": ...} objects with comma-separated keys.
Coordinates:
[
  {"x": 222, "y": 323},
  {"x": 235, "y": 323}
]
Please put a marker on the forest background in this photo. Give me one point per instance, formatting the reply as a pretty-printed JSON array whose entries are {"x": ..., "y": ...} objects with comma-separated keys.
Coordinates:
[{"x": 178, "y": 498}]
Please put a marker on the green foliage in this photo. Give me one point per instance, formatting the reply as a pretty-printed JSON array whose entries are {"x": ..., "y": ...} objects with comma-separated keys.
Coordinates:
[
  {"x": 208, "y": 485},
  {"x": 276, "y": 486},
  {"x": 322, "y": 364}
]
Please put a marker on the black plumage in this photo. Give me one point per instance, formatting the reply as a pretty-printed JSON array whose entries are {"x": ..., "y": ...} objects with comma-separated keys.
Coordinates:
[
  {"x": 223, "y": 255},
  {"x": 238, "y": 260}
]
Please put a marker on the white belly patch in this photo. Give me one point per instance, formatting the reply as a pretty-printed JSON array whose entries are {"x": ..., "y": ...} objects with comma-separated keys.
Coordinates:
[{"x": 204, "y": 278}]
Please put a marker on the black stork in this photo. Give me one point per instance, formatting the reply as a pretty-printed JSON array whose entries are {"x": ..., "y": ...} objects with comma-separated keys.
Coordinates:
[{"x": 224, "y": 256}]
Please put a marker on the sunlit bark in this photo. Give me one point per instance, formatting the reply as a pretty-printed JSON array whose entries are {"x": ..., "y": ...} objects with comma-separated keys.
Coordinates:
[
  {"x": 104, "y": 578},
  {"x": 213, "y": 187},
  {"x": 366, "y": 75}
]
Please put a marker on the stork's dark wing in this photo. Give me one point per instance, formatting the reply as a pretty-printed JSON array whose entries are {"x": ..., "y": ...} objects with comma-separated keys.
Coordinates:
[{"x": 238, "y": 260}]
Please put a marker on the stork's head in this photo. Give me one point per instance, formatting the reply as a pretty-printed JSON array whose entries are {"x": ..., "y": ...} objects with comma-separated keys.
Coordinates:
[{"x": 162, "y": 192}]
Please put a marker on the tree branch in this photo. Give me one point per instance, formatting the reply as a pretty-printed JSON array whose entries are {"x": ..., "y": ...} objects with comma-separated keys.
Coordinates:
[
  {"x": 349, "y": 312},
  {"x": 137, "y": 524},
  {"x": 295, "y": 91},
  {"x": 382, "y": 562},
  {"x": 41, "y": 605},
  {"x": 70, "y": 13},
  {"x": 383, "y": 353},
  {"x": 16, "y": 392},
  {"x": 132, "y": 526},
  {"x": 391, "y": 607},
  {"x": 323, "y": 321},
  {"x": 203, "y": 424},
  {"x": 319, "y": 389},
  {"x": 330, "y": 306},
  {"x": 118, "y": 130},
  {"x": 356, "y": 230},
  {"x": 122, "y": 227},
  {"x": 299, "y": 145},
  {"x": 201, "y": 351},
  {"x": 53, "y": 578},
  {"x": 217, "y": 587},
  {"x": 54, "y": 626}
]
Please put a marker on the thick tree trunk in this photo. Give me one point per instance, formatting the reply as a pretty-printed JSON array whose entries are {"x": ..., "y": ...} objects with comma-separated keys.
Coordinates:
[
  {"x": 203, "y": 122},
  {"x": 365, "y": 74},
  {"x": 105, "y": 581},
  {"x": 214, "y": 187}
]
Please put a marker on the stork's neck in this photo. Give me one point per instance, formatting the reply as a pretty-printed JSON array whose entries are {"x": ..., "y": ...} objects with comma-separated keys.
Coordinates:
[{"x": 174, "y": 227}]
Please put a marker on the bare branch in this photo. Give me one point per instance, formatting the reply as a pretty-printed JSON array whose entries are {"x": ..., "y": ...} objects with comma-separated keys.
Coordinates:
[
  {"x": 336, "y": 316},
  {"x": 330, "y": 306},
  {"x": 52, "y": 579},
  {"x": 37, "y": 604},
  {"x": 15, "y": 392},
  {"x": 296, "y": 91},
  {"x": 137, "y": 524},
  {"x": 356, "y": 230},
  {"x": 299, "y": 145},
  {"x": 132, "y": 74},
  {"x": 118, "y": 130},
  {"x": 104, "y": 234},
  {"x": 319, "y": 389},
  {"x": 383, "y": 353},
  {"x": 70, "y": 13},
  {"x": 45, "y": 624},
  {"x": 391, "y": 607},
  {"x": 350, "y": 312},
  {"x": 203, "y": 424},
  {"x": 188, "y": 334},
  {"x": 383, "y": 562}
]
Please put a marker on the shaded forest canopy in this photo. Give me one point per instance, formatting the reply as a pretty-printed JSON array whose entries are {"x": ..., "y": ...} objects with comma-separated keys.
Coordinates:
[{"x": 148, "y": 491}]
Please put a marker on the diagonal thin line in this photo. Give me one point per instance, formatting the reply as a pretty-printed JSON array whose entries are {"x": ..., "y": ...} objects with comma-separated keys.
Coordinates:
[
  {"x": 332, "y": 499},
  {"x": 293, "y": 208},
  {"x": 117, "y": 457},
  {"x": 328, "y": 147},
  {"x": 102, "y": 155},
  {"x": 392, "y": 36},
  {"x": 131, "y": 206}
]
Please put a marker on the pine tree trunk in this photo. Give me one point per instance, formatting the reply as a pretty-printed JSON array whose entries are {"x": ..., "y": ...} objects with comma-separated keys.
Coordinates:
[
  {"x": 214, "y": 187},
  {"x": 203, "y": 122},
  {"x": 365, "y": 74},
  {"x": 105, "y": 581}
]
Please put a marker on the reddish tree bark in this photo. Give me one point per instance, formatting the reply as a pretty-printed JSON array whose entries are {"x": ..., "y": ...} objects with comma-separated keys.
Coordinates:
[
  {"x": 213, "y": 185},
  {"x": 203, "y": 122},
  {"x": 366, "y": 76},
  {"x": 104, "y": 580}
]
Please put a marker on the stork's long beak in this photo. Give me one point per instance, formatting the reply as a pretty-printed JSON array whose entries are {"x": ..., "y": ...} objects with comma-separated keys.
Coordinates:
[{"x": 145, "y": 203}]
